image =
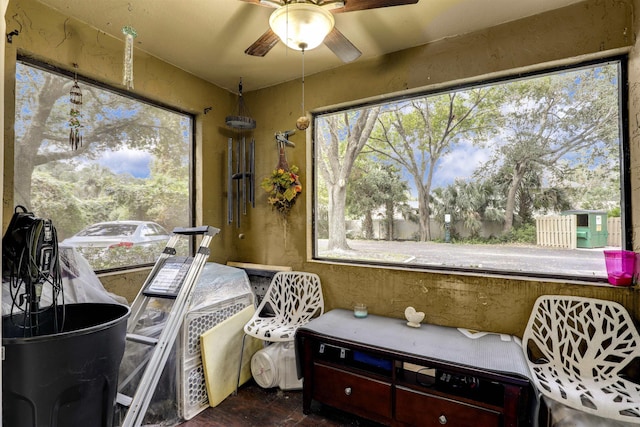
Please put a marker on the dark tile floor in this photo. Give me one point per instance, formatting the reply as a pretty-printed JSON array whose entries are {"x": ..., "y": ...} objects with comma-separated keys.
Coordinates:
[{"x": 255, "y": 406}]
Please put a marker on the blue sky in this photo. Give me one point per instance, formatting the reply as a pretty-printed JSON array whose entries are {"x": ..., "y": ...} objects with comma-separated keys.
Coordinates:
[
  {"x": 459, "y": 164},
  {"x": 134, "y": 162}
]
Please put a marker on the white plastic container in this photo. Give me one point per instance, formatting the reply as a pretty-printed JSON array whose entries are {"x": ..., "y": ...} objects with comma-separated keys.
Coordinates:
[{"x": 275, "y": 365}]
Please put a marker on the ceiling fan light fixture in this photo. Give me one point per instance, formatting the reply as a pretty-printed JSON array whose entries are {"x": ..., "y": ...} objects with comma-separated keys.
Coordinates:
[{"x": 301, "y": 26}]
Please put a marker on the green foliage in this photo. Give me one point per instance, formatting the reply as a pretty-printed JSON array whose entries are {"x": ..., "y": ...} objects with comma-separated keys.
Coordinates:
[
  {"x": 56, "y": 199},
  {"x": 614, "y": 213},
  {"x": 375, "y": 186},
  {"x": 525, "y": 234},
  {"x": 106, "y": 258},
  {"x": 472, "y": 202}
]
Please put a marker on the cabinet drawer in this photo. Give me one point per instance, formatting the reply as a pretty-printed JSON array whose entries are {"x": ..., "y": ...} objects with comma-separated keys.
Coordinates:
[
  {"x": 419, "y": 409},
  {"x": 353, "y": 393}
]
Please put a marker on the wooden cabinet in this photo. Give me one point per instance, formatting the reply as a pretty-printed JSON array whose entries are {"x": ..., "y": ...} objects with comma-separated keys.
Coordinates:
[{"x": 365, "y": 369}]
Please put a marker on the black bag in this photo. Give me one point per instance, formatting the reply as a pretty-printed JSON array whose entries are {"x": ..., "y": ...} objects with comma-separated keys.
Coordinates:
[{"x": 29, "y": 247}]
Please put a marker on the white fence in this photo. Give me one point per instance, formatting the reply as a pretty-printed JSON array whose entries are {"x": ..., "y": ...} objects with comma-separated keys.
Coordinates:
[
  {"x": 614, "y": 227},
  {"x": 560, "y": 231},
  {"x": 557, "y": 231}
]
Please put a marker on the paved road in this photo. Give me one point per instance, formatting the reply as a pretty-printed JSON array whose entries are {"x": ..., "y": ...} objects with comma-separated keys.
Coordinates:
[{"x": 578, "y": 262}]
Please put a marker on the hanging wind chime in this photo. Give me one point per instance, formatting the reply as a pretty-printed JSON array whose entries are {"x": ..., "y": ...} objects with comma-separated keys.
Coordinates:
[
  {"x": 127, "y": 69},
  {"x": 243, "y": 172},
  {"x": 75, "y": 98}
]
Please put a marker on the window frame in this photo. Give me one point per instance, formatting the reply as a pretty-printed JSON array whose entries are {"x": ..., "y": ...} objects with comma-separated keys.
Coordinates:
[
  {"x": 625, "y": 161},
  {"x": 71, "y": 74}
]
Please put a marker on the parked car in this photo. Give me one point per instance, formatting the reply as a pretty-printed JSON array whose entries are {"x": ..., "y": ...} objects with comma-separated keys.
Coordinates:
[{"x": 119, "y": 234}]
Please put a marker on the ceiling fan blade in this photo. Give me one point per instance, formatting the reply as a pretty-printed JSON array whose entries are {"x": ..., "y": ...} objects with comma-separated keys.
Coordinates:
[
  {"x": 341, "y": 46},
  {"x": 258, "y": 2},
  {"x": 263, "y": 45},
  {"x": 353, "y": 5},
  {"x": 267, "y": 3}
]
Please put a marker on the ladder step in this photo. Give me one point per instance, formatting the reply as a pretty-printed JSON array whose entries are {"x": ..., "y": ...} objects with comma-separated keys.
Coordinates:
[
  {"x": 142, "y": 339},
  {"x": 124, "y": 400},
  {"x": 191, "y": 231}
]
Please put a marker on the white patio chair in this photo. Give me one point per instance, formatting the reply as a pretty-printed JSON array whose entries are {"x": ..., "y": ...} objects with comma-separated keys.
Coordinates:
[
  {"x": 578, "y": 350},
  {"x": 292, "y": 300}
]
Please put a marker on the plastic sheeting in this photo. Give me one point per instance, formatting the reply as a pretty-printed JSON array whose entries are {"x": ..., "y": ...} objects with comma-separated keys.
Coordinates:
[
  {"x": 79, "y": 283},
  {"x": 218, "y": 283}
]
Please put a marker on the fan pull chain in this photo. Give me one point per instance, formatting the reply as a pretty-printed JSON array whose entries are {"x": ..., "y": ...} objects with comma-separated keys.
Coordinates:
[{"x": 303, "y": 121}]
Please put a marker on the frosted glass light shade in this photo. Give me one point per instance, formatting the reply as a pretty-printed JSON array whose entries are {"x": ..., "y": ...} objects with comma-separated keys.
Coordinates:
[{"x": 301, "y": 26}]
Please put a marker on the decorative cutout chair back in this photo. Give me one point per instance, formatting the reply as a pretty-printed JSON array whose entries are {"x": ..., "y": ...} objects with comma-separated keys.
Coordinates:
[
  {"x": 579, "y": 350},
  {"x": 292, "y": 300}
]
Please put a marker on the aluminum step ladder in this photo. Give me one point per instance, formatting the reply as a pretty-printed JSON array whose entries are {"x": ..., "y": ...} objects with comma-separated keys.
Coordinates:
[{"x": 172, "y": 278}]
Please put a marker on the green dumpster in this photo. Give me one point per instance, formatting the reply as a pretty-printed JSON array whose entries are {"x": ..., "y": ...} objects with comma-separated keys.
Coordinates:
[{"x": 591, "y": 230}]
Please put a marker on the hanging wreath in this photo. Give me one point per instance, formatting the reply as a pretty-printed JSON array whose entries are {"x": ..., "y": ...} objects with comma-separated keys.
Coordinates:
[{"x": 282, "y": 186}]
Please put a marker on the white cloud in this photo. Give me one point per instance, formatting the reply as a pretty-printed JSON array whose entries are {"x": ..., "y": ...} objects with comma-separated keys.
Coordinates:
[
  {"x": 134, "y": 162},
  {"x": 460, "y": 163}
]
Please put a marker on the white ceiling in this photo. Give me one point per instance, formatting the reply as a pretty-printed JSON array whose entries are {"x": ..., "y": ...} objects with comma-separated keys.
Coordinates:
[{"x": 207, "y": 38}]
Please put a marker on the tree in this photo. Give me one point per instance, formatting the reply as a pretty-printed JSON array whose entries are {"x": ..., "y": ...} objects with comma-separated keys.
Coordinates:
[
  {"x": 395, "y": 195},
  {"x": 532, "y": 195},
  {"x": 593, "y": 188},
  {"x": 554, "y": 123},
  {"x": 344, "y": 136},
  {"x": 471, "y": 202},
  {"x": 417, "y": 134},
  {"x": 110, "y": 122},
  {"x": 374, "y": 185}
]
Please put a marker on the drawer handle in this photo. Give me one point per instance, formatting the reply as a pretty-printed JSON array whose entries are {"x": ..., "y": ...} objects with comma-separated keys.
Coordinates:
[
  {"x": 347, "y": 391},
  {"x": 442, "y": 419}
]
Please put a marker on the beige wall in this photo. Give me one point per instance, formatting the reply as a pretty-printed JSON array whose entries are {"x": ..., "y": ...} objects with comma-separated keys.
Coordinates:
[{"x": 592, "y": 28}]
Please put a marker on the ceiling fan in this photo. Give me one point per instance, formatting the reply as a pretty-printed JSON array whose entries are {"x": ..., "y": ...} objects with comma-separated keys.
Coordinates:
[{"x": 285, "y": 14}]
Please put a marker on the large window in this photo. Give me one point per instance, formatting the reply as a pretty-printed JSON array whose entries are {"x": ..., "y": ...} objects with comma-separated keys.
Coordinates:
[
  {"x": 117, "y": 196},
  {"x": 519, "y": 176}
]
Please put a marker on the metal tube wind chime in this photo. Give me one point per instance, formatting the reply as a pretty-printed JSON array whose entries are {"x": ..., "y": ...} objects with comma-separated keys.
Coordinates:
[
  {"x": 241, "y": 167},
  {"x": 75, "y": 98}
]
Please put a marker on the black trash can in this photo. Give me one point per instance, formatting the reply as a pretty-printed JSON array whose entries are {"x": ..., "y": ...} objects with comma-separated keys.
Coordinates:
[{"x": 64, "y": 379}]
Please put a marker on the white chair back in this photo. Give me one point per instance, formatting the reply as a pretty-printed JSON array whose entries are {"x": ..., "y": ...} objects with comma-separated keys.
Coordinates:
[
  {"x": 292, "y": 300},
  {"x": 578, "y": 350}
]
